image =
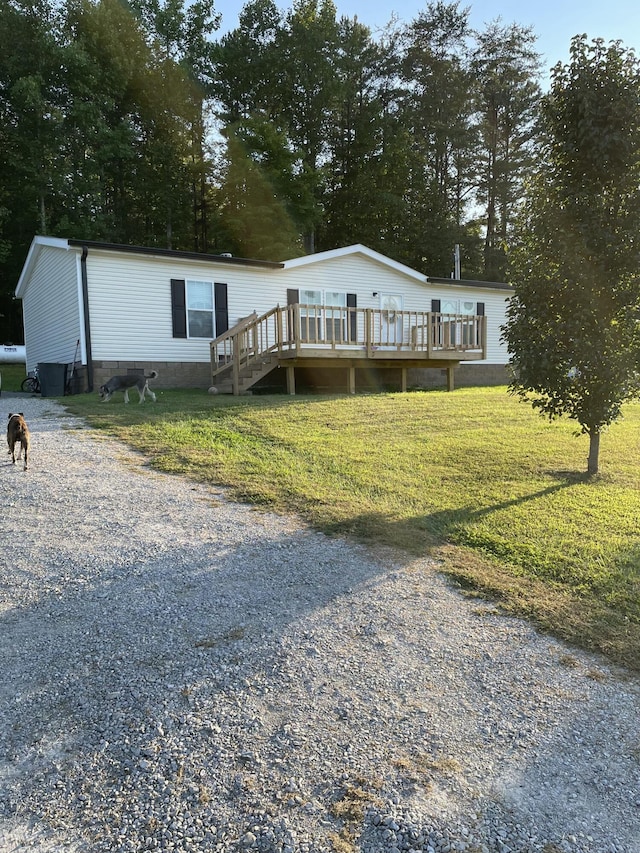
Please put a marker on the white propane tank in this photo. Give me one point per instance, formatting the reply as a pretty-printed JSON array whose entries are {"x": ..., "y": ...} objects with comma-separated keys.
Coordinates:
[{"x": 12, "y": 354}]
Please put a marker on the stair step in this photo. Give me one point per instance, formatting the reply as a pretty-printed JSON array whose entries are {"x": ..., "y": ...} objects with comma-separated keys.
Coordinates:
[{"x": 248, "y": 376}]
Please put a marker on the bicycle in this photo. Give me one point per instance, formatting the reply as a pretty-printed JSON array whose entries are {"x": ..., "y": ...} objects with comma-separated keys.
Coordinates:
[{"x": 31, "y": 385}]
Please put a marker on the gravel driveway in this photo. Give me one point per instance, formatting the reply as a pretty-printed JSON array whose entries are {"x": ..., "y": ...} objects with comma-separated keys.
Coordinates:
[{"x": 179, "y": 672}]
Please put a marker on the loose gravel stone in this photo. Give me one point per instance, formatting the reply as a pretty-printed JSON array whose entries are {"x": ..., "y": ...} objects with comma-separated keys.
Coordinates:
[{"x": 183, "y": 673}]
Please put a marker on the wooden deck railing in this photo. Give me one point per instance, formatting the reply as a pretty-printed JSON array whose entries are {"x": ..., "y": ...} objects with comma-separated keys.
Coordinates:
[{"x": 300, "y": 328}]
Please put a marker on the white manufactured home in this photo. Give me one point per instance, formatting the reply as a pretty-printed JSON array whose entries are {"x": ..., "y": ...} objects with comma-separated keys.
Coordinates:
[{"x": 340, "y": 320}]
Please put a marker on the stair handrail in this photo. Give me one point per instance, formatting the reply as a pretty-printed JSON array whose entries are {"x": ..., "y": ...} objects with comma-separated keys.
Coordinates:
[
  {"x": 248, "y": 341},
  {"x": 255, "y": 337}
]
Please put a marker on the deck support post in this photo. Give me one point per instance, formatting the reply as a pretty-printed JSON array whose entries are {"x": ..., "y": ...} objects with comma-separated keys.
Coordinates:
[
  {"x": 352, "y": 380},
  {"x": 236, "y": 365},
  {"x": 403, "y": 380},
  {"x": 291, "y": 380},
  {"x": 450, "y": 382}
]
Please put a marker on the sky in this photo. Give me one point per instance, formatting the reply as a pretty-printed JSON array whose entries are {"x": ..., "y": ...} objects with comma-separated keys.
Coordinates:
[{"x": 555, "y": 23}]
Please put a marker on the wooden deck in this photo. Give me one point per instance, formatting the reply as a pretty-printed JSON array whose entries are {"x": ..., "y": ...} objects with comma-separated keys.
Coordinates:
[{"x": 321, "y": 336}]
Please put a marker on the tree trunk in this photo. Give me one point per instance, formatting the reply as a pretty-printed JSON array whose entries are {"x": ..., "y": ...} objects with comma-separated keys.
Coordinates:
[
  {"x": 594, "y": 451},
  {"x": 43, "y": 215}
]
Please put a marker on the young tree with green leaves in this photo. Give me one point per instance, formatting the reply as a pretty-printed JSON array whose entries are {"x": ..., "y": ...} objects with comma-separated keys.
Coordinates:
[{"x": 573, "y": 324}]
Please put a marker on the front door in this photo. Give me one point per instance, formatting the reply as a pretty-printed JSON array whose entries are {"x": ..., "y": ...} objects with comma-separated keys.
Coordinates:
[{"x": 391, "y": 320}]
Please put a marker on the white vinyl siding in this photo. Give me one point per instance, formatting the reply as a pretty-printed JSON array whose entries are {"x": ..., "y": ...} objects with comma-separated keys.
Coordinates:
[
  {"x": 495, "y": 304},
  {"x": 368, "y": 279},
  {"x": 130, "y": 299},
  {"x": 51, "y": 306},
  {"x": 130, "y": 303}
]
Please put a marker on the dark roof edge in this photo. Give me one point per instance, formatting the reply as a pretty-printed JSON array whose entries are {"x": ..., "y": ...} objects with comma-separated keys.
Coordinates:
[
  {"x": 491, "y": 285},
  {"x": 174, "y": 253}
]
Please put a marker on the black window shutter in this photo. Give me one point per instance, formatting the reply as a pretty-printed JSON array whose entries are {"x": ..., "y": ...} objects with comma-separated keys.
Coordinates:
[
  {"x": 178, "y": 308},
  {"x": 435, "y": 306},
  {"x": 480, "y": 309},
  {"x": 222, "y": 310},
  {"x": 293, "y": 298},
  {"x": 352, "y": 302}
]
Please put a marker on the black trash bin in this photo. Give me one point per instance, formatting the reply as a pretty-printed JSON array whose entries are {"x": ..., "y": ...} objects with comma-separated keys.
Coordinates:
[{"x": 52, "y": 379}]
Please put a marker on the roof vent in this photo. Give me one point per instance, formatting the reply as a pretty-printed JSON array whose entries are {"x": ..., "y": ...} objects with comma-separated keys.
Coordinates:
[{"x": 226, "y": 255}]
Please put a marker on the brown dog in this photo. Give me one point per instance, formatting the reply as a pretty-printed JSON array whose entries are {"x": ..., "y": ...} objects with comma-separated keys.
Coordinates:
[{"x": 18, "y": 433}]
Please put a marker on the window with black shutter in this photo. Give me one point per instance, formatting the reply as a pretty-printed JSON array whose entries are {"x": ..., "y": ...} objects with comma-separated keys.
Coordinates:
[{"x": 197, "y": 309}]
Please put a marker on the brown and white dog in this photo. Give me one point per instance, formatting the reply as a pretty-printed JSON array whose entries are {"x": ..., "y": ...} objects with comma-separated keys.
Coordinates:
[
  {"x": 18, "y": 433},
  {"x": 139, "y": 381}
]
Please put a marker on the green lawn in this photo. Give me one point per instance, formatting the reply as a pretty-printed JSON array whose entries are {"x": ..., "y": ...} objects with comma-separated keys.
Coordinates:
[
  {"x": 473, "y": 477},
  {"x": 12, "y": 376}
]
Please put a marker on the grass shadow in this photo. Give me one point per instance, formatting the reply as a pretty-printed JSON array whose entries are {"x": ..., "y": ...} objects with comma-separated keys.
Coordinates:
[
  {"x": 588, "y": 621},
  {"x": 431, "y": 529}
]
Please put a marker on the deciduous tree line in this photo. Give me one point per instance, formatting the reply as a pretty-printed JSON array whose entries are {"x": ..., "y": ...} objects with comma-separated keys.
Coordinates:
[{"x": 134, "y": 122}]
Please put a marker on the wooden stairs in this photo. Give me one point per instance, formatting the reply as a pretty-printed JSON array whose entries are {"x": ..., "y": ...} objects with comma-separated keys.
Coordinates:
[{"x": 248, "y": 375}]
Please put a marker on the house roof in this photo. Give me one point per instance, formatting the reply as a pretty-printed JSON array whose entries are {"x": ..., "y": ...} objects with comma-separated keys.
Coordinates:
[
  {"x": 462, "y": 282},
  {"x": 39, "y": 243},
  {"x": 173, "y": 253}
]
